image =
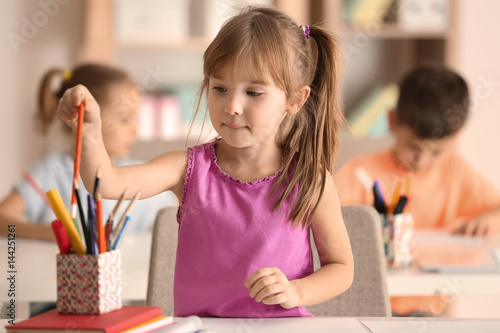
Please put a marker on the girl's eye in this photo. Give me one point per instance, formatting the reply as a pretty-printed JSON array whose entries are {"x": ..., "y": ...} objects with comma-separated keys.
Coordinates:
[
  {"x": 254, "y": 93},
  {"x": 219, "y": 89}
]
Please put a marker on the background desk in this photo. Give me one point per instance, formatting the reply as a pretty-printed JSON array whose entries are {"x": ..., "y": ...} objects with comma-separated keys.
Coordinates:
[
  {"x": 36, "y": 269},
  {"x": 36, "y": 274}
]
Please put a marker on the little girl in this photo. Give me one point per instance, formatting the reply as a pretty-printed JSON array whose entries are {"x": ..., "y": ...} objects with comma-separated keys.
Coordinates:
[
  {"x": 249, "y": 197},
  {"x": 119, "y": 98}
]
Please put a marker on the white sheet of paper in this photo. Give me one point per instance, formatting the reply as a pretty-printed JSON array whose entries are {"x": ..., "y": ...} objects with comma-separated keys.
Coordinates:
[{"x": 432, "y": 326}]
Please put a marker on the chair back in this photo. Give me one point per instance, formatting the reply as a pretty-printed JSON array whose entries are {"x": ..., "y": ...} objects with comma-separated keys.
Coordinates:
[
  {"x": 367, "y": 297},
  {"x": 162, "y": 261}
]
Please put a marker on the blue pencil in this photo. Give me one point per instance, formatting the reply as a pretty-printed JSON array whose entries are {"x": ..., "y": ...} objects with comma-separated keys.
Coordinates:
[
  {"x": 120, "y": 232},
  {"x": 92, "y": 225}
]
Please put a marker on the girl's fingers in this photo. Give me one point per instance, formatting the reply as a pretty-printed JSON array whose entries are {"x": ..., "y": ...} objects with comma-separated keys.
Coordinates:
[
  {"x": 275, "y": 299},
  {"x": 269, "y": 291},
  {"x": 258, "y": 274},
  {"x": 70, "y": 102},
  {"x": 262, "y": 284}
]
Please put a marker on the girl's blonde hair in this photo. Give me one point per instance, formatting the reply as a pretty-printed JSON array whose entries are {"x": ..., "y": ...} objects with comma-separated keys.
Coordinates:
[
  {"x": 279, "y": 51},
  {"x": 97, "y": 78}
]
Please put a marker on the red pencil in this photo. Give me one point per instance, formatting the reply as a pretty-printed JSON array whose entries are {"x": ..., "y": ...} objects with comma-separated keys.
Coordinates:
[
  {"x": 62, "y": 237},
  {"x": 78, "y": 156},
  {"x": 101, "y": 234}
]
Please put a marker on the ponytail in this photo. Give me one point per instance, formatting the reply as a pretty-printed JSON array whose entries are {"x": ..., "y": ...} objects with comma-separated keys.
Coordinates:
[
  {"x": 47, "y": 100},
  {"x": 311, "y": 142}
]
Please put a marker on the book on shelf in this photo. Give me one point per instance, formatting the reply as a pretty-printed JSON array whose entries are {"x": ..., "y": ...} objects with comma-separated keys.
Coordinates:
[
  {"x": 369, "y": 118},
  {"x": 116, "y": 321},
  {"x": 359, "y": 12}
]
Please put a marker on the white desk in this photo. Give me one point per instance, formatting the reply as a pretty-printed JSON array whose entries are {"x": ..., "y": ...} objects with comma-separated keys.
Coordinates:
[
  {"x": 343, "y": 325},
  {"x": 36, "y": 273},
  {"x": 351, "y": 325},
  {"x": 414, "y": 281}
]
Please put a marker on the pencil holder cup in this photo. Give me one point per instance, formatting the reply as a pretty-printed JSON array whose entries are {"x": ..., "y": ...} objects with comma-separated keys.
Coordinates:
[
  {"x": 398, "y": 234},
  {"x": 89, "y": 284}
]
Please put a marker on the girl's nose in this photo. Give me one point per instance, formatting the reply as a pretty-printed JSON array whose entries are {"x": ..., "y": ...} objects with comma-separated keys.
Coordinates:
[{"x": 233, "y": 107}]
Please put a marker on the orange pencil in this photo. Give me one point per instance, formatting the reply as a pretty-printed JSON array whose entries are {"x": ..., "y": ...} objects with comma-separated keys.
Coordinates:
[
  {"x": 78, "y": 156},
  {"x": 409, "y": 183},
  {"x": 101, "y": 234},
  {"x": 395, "y": 199}
]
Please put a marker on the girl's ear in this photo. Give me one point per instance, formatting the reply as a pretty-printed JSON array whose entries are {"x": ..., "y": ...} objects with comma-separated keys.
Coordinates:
[{"x": 302, "y": 95}]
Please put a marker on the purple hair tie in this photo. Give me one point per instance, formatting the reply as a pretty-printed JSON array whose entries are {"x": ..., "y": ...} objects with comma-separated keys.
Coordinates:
[{"x": 307, "y": 31}]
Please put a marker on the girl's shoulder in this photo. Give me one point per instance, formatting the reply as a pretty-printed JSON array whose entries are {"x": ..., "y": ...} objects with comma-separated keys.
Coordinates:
[{"x": 55, "y": 161}]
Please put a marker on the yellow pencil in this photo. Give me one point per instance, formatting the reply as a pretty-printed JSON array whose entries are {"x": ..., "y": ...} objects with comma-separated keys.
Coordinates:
[{"x": 63, "y": 215}]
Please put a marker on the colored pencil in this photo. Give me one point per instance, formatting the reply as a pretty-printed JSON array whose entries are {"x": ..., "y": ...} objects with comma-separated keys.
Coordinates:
[
  {"x": 92, "y": 225},
  {"x": 78, "y": 156},
  {"x": 62, "y": 237},
  {"x": 63, "y": 215},
  {"x": 117, "y": 206},
  {"x": 127, "y": 212},
  {"x": 38, "y": 189},
  {"x": 409, "y": 183},
  {"x": 83, "y": 227},
  {"x": 97, "y": 180},
  {"x": 120, "y": 232},
  {"x": 395, "y": 199},
  {"x": 100, "y": 226},
  {"x": 109, "y": 228}
]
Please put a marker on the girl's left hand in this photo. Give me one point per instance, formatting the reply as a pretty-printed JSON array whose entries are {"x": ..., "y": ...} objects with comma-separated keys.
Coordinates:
[{"x": 270, "y": 286}]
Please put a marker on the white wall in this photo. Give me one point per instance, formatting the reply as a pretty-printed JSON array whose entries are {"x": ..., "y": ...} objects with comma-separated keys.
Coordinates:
[
  {"x": 55, "y": 41},
  {"x": 478, "y": 59},
  {"x": 54, "y": 34}
]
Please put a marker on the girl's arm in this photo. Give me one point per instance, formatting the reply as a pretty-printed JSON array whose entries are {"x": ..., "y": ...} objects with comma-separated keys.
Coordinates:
[
  {"x": 335, "y": 276},
  {"x": 11, "y": 208},
  {"x": 163, "y": 173}
]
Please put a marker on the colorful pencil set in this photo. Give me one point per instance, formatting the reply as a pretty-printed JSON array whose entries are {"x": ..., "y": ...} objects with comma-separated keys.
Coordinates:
[
  {"x": 399, "y": 200},
  {"x": 80, "y": 233}
]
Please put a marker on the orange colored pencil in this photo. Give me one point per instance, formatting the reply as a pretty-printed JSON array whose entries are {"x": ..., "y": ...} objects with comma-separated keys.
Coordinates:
[
  {"x": 101, "y": 234},
  {"x": 78, "y": 156},
  {"x": 395, "y": 199}
]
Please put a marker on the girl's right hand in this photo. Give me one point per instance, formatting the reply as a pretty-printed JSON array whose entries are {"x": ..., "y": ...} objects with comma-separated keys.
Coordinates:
[{"x": 71, "y": 100}]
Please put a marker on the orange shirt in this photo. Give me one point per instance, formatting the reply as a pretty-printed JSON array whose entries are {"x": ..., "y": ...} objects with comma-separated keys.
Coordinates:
[{"x": 450, "y": 189}]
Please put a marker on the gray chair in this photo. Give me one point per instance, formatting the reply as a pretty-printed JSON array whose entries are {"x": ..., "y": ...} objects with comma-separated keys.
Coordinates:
[{"x": 367, "y": 296}]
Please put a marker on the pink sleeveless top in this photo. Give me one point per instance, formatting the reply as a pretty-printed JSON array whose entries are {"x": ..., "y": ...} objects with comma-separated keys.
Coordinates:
[{"x": 227, "y": 231}]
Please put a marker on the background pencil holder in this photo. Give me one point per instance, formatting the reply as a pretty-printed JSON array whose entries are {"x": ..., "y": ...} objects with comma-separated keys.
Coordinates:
[
  {"x": 89, "y": 284},
  {"x": 398, "y": 234}
]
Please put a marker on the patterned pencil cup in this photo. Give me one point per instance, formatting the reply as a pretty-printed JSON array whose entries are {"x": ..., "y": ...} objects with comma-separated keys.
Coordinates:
[
  {"x": 398, "y": 234},
  {"x": 88, "y": 284}
]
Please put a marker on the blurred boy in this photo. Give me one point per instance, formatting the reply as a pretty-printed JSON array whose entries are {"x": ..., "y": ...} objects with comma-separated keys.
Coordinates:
[{"x": 447, "y": 192}]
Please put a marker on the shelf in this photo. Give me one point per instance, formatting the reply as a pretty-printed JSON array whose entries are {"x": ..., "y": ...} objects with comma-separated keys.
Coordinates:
[
  {"x": 392, "y": 31},
  {"x": 194, "y": 44}
]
